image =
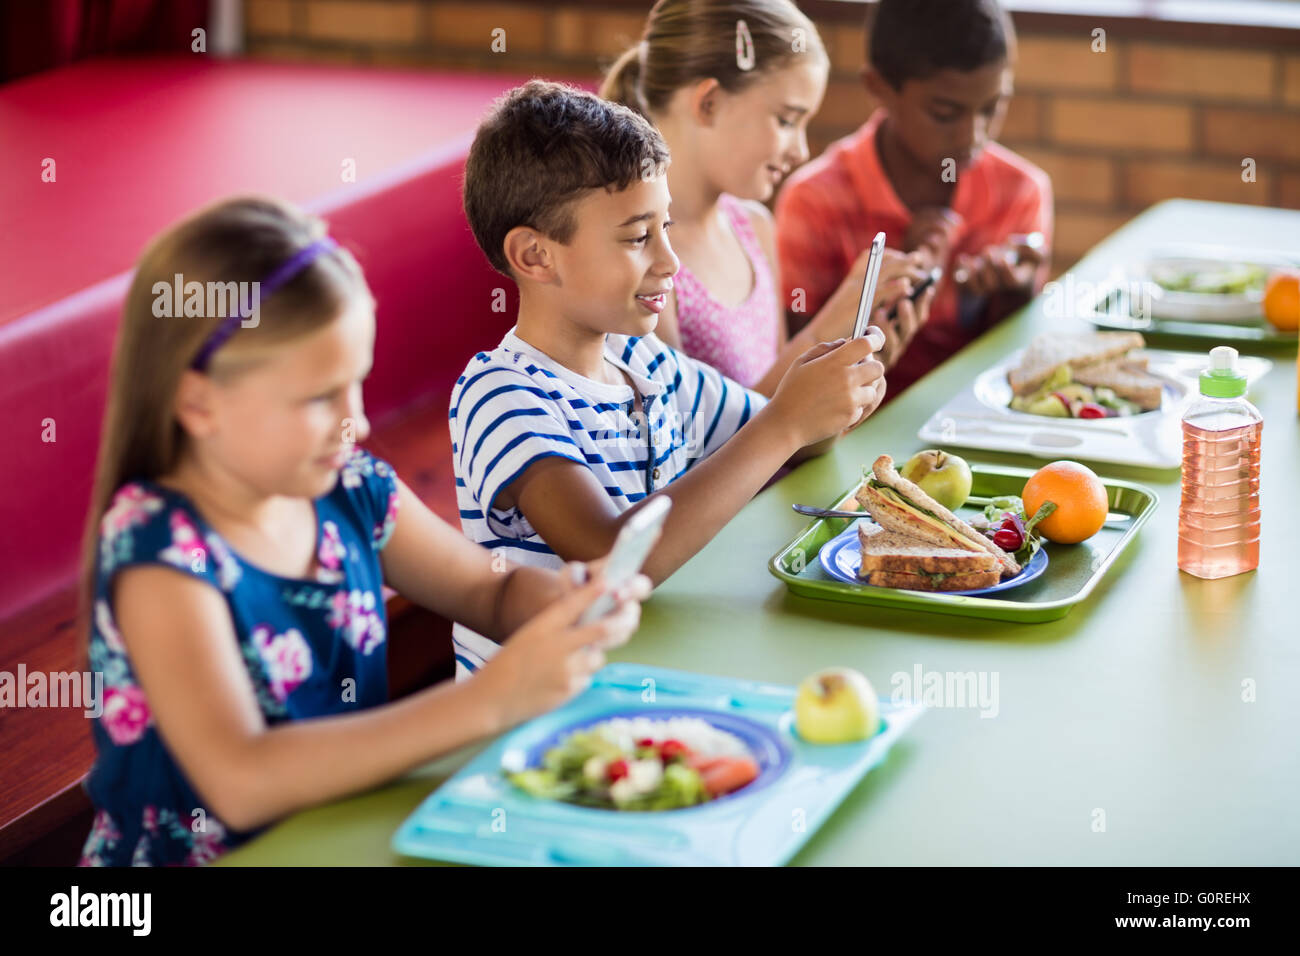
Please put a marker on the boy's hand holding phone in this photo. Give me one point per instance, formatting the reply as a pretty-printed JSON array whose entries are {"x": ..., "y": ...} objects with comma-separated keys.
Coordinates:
[
  {"x": 932, "y": 234},
  {"x": 849, "y": 384},
  {"x": 832, "y": 388},
  {"x": 1006, "y": 267}
]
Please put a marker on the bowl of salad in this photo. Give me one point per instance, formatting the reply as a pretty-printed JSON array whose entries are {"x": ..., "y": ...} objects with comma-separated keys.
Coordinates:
[
  {"x": 1205, "y": 288},
  {"x": 650, "y": 761}
]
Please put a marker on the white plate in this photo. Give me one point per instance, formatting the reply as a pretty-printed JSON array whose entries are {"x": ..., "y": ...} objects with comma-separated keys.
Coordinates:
[{"x": 978, "y": 417}]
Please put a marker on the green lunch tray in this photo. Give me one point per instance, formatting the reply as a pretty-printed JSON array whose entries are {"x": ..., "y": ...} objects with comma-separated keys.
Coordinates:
[
  {"x": 1073, "y": 569},
  {"x": 1113, "y": 311}
]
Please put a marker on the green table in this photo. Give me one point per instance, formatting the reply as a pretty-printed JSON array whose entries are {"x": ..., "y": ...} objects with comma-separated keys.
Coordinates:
[{"x": 1131, "y": 706}]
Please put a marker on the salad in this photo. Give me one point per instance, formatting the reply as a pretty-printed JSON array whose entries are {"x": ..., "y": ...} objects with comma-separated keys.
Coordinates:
[
  {"x": 1005, "y": 524},
  {"x": 641, "y": 764},
  {"x": 1062, "y": 397},
  {"x": 1228, "y": 279}
]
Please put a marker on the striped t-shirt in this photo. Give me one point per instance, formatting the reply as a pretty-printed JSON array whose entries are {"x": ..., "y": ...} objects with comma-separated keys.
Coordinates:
[{"x": 514, "y": 406}]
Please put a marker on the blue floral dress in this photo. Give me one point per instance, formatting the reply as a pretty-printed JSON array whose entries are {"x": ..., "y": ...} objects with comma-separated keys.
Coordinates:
[{"x": 311, "y": 647}]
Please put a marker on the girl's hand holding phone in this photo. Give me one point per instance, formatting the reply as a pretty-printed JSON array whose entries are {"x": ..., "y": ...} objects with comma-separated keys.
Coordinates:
[
  {"x": 899, "y": 330},
  {"x": 899, "y": 274},
  {"x": 551, "y": 659}
]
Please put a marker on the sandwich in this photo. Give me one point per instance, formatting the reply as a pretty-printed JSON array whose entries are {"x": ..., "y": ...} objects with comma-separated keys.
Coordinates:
[
  {"x": 1096, "y": 360},
  {"x": 1047, "y": 353},
  {"x": 901, "y": 506},
  {"x": 1127, "y": 378},
  {"x": 894, "y": 560}
]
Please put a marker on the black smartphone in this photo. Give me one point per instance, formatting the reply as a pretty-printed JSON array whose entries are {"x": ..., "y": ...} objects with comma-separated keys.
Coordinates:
[{"x": 934, "y": 276}]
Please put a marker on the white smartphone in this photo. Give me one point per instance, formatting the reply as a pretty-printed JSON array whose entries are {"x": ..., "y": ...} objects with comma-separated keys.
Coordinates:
[
  {"x": 1033, "y": 240},
  {"x": 636, "y": 539},
  {"x": 869, "y": 285}
]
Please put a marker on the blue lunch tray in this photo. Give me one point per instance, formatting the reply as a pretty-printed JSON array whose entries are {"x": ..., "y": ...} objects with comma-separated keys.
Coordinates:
[{"x": 479, "y": 817}]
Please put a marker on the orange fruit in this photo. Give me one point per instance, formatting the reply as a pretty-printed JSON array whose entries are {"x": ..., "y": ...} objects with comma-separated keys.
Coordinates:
[
  {"x": 1282, "y": 300},
  {"x": 1080, "y": 497}
]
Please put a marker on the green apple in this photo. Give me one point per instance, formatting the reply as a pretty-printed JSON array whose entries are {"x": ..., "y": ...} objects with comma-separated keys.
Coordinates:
[
  {"x": 836, "y": 706},
  {"x": 944, "y": 477}
]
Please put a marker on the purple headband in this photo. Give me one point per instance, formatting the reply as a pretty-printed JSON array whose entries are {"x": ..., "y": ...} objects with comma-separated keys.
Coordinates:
[{"x": 301, "y": 260}]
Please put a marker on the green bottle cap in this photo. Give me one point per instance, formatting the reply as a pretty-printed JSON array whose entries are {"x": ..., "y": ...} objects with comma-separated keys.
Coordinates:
[{"x": 1221, "y": 379}]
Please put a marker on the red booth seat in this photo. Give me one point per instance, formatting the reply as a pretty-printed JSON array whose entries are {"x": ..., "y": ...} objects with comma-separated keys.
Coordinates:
[{"x": 139, "y": 143}]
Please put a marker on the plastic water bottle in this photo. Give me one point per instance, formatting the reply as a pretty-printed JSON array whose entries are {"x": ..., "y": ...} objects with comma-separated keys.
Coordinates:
[{"x": 1218, "y": 520}]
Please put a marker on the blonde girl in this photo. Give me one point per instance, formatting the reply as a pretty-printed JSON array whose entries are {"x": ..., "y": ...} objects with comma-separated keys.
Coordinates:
[
  {"x": 237, "y": 547},
  {"x": 732, "y": 85}
]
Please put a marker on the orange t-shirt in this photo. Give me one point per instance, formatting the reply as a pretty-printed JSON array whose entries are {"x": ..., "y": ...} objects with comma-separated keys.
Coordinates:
[{"x": 832, "y": 208}]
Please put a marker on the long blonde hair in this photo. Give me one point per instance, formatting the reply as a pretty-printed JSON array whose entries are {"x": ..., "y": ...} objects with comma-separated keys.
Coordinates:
[
  {"x": 237, "y": 240},
  {"x": 689, "y": 40}
]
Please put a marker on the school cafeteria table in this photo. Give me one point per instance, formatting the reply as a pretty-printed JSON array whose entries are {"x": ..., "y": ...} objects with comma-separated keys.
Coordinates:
[{"x": 1134, "y": 705}]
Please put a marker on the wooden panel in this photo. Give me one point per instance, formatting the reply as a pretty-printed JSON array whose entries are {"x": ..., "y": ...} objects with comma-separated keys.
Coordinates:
[{"x": 47, "y": 750}]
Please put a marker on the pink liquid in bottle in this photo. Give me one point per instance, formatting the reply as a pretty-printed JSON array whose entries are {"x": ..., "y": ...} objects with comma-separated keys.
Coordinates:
[{"x": 1218, "y": 519}]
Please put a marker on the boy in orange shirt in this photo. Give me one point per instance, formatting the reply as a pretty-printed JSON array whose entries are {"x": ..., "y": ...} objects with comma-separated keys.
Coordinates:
[{"x": 925, "y": 170}]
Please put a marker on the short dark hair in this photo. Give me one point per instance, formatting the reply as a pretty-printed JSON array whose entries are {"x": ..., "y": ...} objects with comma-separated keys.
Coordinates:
[
  {"x": 915, "y": 39},
  {"x": 542, "y": 145}
]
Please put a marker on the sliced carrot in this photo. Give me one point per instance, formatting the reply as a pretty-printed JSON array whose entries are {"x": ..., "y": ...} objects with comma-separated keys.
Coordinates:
[
  {"x": 702, "y": 763},
  {"x": 726, "y": 774}
]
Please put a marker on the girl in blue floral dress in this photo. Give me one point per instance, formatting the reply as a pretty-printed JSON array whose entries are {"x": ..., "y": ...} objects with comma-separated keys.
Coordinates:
[{"x": 237, "y": 550}]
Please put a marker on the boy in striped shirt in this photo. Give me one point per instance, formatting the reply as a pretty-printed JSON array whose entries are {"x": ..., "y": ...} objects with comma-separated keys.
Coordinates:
[{"x": 581, "y": 413}]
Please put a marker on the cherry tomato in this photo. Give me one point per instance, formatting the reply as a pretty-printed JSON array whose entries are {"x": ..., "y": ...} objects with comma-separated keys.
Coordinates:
[
  {"x": 616, "y": 770},
  {"x": 1008, "y": 540},
  {"x": 672, "y": 749},
  {"x": 1092, "y": 410},
  {"x": 645, "y": 742}
]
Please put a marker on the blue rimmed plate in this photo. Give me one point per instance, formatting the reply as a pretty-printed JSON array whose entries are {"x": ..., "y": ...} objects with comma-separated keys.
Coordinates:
[{"x": 841, "y": 557}]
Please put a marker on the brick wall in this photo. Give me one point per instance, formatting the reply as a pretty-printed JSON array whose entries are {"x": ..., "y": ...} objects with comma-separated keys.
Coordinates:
[{"x": 1148, "y": 119}]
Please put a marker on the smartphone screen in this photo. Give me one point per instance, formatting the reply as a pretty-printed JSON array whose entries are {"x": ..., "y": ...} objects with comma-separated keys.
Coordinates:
[{"x": 636, "y": 539}]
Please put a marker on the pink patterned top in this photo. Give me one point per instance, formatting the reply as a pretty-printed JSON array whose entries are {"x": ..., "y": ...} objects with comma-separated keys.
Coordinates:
[{"x": 739, "y": 341}]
